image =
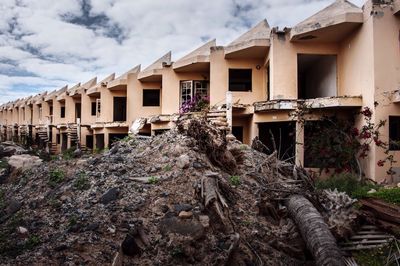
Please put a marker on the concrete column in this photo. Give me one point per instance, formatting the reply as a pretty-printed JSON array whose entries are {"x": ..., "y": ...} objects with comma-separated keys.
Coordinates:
[{"x": 299, "y": 153}]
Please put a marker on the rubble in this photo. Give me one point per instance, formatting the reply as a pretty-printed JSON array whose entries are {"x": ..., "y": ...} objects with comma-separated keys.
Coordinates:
[{"x": 164, "y": 200}]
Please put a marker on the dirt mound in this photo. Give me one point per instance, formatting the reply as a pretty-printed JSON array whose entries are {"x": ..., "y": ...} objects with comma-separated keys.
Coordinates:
[{"x": 176, "y": 199}]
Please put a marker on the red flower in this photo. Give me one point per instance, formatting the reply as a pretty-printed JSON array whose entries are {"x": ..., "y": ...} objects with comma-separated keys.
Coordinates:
[
  {"x": 355, "y": 132},
  {"x": 381, "y": 163},
  {"x": 367, "y": 112}
]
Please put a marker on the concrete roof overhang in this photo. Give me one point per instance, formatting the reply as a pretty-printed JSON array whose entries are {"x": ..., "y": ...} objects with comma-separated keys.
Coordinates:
[
  {"x": 152, "y": 75},
  {"x": 331, "y": 24},
  {"x": 62, "y": 96},
  {"x": 198, "y": 63},
  {"x": 118, "y": 84},
  {"x": 251, "y": 49}
]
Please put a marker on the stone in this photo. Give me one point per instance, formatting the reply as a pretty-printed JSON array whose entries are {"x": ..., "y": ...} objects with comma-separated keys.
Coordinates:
[
  {"x": 185, "y": 215},
  {"x": 109, "y": 196},
  {"x": 178, "y": 150},
  {"x": 22, "y": 230},
  {"x": 13, "y": 206},
  {"x": 185, "y": 227},
  {"x": 182, "y": 207},
  {"x": 197, "y": 165},
  {"x": 24, "y": 162},
  {"x": 230, "y": 137},
  {"x": 372, "y": 191},
  {"x": 204, "y": 220},
  {"x": 130, "y": 247},
  {"x": 183, "y": 161}
]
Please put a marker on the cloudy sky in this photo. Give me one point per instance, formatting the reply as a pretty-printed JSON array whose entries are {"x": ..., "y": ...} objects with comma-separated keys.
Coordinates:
[{"x": 46, "y": 44}]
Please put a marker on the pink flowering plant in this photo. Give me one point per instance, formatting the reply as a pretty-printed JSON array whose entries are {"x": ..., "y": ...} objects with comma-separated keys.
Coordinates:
[{"x": 196, "y": 104}]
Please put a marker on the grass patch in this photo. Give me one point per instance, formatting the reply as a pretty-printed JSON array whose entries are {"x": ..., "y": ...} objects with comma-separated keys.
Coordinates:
[
  {"x": 390, "y": 195},
  {"x": 347, "y": 183},
  {"x": 167, "y": 168},
  {"x": 153, "y": 180},
  {"x": 68, "y": 154},
  {"x": 234, "y": 180},
  {"x": 82, "y": 182},
  {"x": 55, "y": 177},
  {"x": 372, "y": 257}
]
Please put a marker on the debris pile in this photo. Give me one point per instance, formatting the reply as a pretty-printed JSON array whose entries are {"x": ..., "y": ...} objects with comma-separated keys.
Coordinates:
[{"x": 184, "y": 197}]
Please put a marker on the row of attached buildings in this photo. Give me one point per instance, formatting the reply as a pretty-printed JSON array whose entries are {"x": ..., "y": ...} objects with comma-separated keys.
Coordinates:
[{"x": 338, "y": 61}]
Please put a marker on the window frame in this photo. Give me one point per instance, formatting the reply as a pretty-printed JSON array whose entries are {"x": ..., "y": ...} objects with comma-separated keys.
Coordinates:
[
  {"x": 151, "y": 105},
  {"x": 240, "y": 69}
]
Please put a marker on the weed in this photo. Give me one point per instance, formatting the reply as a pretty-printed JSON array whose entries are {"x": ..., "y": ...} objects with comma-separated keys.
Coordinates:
[
  {"x": 3, "y": 164},
  {"x": 55, "y": 177},
  {"x": 167, "y": 168},
  {"x": 347, "y": 183},
  {"x": 234, "y": 180},
  {"x": 153, "y": 180},
  {"x": 177, "y": 252},
  {"x": 390, "y": 195},
  {"x": 68, "y": 154},
  {"x": 82, "y": 182},
  {"x": 243, "y": 147},
  {"x": 373, "y": 257},
  {"x": 32, "y": 242},
  {"x": 127, "y": 138},
  {"x": 55, "y": 203},
  {"x": 72, "y": 221}
]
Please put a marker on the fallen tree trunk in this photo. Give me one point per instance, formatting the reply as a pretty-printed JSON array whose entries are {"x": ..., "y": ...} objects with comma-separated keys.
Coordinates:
[{"x": 315, "y": 231}]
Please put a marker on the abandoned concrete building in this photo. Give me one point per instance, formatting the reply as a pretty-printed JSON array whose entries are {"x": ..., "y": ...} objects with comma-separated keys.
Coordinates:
[{"x": 338, "y": 61}]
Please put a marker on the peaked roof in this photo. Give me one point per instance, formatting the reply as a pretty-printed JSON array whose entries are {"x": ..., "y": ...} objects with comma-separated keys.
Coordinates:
[
  {"x": 122, "y": 81},
  {"x": 160, "y": 63},
  {"x": 95, "y": 88},
  {"x": 136, "y": 69},
  {"x": 199, "y": 55},
  {"x": 341, "y": 11},
  {"x": 55, "y": 93},
  {"x": 252, "y": 44},
  {"x": 261, "y": 31}
]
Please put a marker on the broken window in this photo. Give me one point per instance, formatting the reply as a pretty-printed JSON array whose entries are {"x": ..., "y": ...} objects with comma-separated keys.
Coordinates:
[
  {"x": 193, "y": 89},
  {"x": 394, "y": 133},
  {"x": 115, "y": 137},
  {"x": 98, "y": 104},
  {"x": 316, "y": 76},
  {"x": 238, "y": 133},
  {"x": 119, "y": 109},
  {"x": 151, "y": 97},
  {"x": 62, "y": 112},
  {"x": 240, "y": 79},
  {"x": 89, "y": 142},
  {"x": 93, "y": 108},
  {"x": 78, "y": 110},
  {"x": 279, "y": 137}
]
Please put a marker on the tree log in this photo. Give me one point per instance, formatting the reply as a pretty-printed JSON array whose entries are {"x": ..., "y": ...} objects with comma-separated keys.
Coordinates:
[{"x": 315, "y": 231}]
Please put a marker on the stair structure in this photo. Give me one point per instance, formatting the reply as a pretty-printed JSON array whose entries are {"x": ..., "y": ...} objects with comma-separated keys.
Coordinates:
[
  {"x": 218, "y": 119},
  {"x": 72, "y": 133}
]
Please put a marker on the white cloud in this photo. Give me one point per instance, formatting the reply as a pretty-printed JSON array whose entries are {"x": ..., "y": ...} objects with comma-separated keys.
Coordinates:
[{"x": 40, "y": 48}]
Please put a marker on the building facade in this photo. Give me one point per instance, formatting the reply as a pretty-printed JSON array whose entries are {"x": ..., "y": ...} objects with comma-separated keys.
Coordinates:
[{"x": 337, "y": 62}]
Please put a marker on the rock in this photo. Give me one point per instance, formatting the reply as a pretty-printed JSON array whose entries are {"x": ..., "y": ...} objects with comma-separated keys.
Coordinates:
[
  {"x": 13, "y": 206},
  {"x": 109, "y": 196},
  {"x": 22, "y": 230},
  {"x": 113, "y": 150},
  {"x": 197, "y": 165},
  {"x": 8, "y": 149},
  {"x": 23, "y": 162},
  {"x": 182, "y": 207},
  {"x": 178, "y": 150},
  {"x": 183, "y": 161},
  {"x": 372, "y": 191},
  {"x": 204, "y": 220},
  {"x": 183, "y": 227},
  {"x": 185, "y": 215},
  {"x": 230, "y": 137},
  {"x": 398, "y": 184},
  {"x": 130, "y": 247}
]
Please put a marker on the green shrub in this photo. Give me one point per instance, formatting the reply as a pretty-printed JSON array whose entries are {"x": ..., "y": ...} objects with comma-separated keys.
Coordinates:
[
  {"x": 167, "y": 168},
  {"x": 55, "y": 177},
  {"x": 234, "y": 180},
  {"x": 68, "y": 154},
  {"x": 390, "y": 195},
  {"x": 346, "y": 183},
  {"x": 82, "y": 182},
  {"x": 153, "y": 180}
]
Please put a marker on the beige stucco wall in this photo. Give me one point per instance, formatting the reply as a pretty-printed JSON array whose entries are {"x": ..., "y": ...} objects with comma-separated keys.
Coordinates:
[
  {"x": 283, "y": 63},
  {"x": 107, "y": 104},
  {"x": 135, "y": 108},
  {"x": 86, "y": 113},
  {"x": 219, "y": 79}
]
